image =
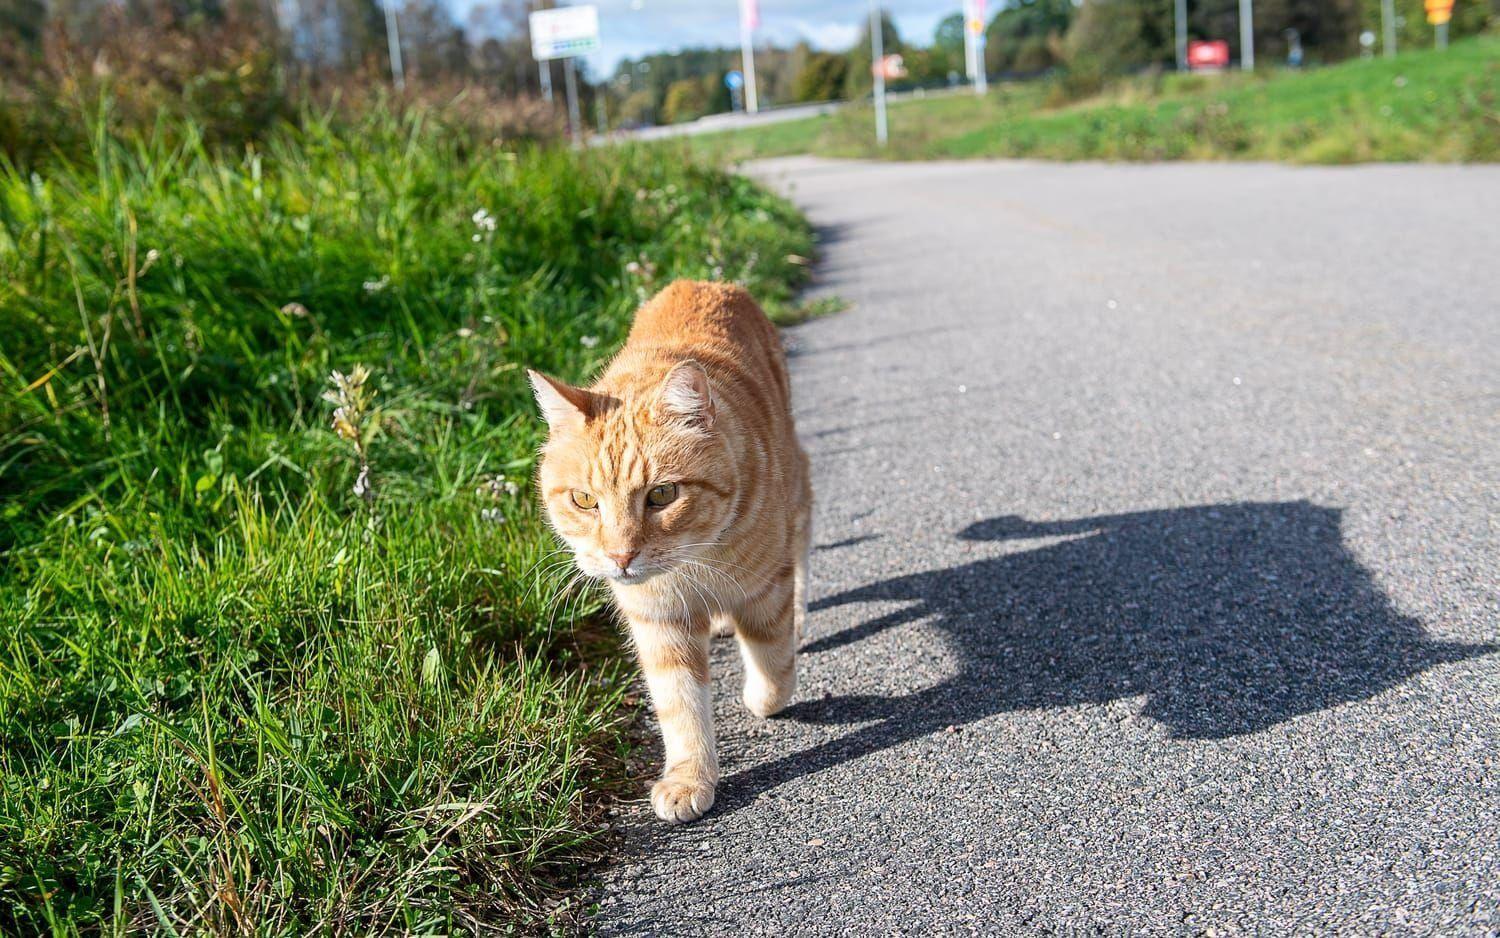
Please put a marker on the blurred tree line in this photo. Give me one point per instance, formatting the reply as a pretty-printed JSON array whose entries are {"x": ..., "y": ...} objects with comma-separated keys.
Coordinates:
[
  {"x": 1085, "y": 43},
  {"x": 238, "y": 66}
]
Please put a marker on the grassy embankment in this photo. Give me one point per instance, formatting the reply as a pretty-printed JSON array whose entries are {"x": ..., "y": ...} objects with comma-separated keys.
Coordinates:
[
  {"x": 1423, "y": 106},
  {"x": 240, "y": 687}
]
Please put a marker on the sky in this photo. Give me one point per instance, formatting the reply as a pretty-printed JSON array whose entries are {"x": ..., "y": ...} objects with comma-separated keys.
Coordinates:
[{"x": 631, "y": 28}]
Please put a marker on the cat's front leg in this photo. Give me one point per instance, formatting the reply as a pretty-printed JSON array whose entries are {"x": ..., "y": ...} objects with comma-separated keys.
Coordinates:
[{"x": 674, "y": 658}]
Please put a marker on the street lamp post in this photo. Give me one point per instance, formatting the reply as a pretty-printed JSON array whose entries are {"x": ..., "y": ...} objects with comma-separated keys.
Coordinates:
[
  {"x": 877, "y": 53},
  {"x": 1247, "y": 36},
  {"x": 1181, "y": 11},
  {"x": 393, "y": 45}
]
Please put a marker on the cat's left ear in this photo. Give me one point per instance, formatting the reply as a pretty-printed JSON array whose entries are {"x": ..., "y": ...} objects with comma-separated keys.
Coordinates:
[
  {"x": 562, "y": 404},
  {"x": 685, "y": 396}
]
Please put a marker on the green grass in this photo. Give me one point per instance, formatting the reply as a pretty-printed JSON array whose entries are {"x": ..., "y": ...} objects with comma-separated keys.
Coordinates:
[
  {"x": 1424, "y": 106},
  {"x": 234, "y": 694}
]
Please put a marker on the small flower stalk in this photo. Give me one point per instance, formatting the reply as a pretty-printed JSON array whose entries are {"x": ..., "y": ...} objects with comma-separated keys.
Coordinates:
[{"x": 353, "y": 399}]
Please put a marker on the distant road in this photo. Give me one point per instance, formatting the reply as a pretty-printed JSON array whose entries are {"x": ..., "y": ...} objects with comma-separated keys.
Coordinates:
[
  {"x": 715, "y": 123},
  {"x": 1157, "y": 574}
]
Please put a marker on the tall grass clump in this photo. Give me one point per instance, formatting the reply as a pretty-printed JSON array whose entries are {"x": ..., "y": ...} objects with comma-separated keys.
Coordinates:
[{"x": 280, "y": 648}]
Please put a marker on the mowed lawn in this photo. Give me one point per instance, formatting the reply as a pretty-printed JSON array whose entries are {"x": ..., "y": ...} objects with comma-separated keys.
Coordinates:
[
  {"x": 1422, "y": 106},
  {"x": 283, "y": 652}
]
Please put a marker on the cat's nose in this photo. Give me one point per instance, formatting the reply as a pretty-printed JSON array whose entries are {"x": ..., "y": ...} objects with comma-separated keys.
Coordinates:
[{"x": 622, "y": 560}]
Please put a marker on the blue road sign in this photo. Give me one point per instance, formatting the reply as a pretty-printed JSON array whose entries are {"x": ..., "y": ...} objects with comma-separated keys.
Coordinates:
[{"x": 734, "y": 80}]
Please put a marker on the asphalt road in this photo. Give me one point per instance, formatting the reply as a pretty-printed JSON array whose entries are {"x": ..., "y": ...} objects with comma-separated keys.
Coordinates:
[{"x": 1157, "y": 580}]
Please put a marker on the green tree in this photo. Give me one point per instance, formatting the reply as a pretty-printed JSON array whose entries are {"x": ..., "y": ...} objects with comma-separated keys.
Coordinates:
[
  {"x": 947, "y": 52},
  {"x": 823, "y": 77},
  {"x": 1111, "y": 37},
  {"x": 1027, "y": 37}
]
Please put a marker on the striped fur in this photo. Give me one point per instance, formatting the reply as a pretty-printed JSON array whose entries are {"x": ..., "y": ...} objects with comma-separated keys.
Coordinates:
[{"x": 698, "y": 397}]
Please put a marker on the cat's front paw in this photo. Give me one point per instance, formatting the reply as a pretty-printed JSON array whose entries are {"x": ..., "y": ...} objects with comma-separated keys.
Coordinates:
[{"x": 678, "y": 799}]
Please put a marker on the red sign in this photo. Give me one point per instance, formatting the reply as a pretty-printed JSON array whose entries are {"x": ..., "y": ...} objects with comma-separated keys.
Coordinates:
[
  {"x": 890, "y": 67},
  {"x": 1208, "y": 56}
]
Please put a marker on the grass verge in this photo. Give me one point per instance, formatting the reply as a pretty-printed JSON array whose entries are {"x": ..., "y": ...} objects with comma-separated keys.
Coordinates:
[
  {"x": 260, "y": 675},
  {"x": 1423, "y": 106}
]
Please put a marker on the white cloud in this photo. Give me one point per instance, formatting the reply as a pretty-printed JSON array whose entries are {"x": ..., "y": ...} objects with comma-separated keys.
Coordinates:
[{"x": 837, "y": 36}]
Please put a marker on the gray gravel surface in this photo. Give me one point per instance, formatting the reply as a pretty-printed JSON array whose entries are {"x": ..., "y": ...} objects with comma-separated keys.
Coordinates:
[{"x": 1157, "y": 580}]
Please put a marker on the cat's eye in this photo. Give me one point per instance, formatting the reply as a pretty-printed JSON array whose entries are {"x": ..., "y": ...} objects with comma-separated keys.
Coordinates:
[
  {"x": 662, "y": 495},
  {"x": 584, "y": 500}
]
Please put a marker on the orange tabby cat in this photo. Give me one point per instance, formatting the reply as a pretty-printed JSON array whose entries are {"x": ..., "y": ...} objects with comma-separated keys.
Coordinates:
[{"x": 677, "y": 478}]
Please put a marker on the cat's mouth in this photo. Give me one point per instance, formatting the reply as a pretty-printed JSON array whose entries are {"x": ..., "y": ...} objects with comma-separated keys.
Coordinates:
[
  {"x": 631, "y": 578},
  {"x": 637, "y": 574}
]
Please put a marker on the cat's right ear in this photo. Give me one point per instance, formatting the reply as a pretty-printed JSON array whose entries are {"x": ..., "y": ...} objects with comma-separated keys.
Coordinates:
[{"x": 563, "y": 405}]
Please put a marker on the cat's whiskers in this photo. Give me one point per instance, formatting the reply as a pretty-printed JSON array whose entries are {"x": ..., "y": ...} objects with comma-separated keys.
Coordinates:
[
  {"x": 698, "y": 564},
  {"x": 708, "y": 603},
  {"x": 545, "y": 557},
  {"x": 729, "y": 568},
  {"x": 551, "y": 571},
  {"x": 565, "y": 595}
]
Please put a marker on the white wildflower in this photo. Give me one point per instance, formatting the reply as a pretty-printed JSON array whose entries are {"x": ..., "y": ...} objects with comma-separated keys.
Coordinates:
[
  {"x": 589, "y": 341},
  {"x": 375, "y": 286},
  {"x": 484, "y": 221},
  {"x": 362, "y": 487},
  {"x": 497, "y": 487},
  {"x": 492, "y": 515}
]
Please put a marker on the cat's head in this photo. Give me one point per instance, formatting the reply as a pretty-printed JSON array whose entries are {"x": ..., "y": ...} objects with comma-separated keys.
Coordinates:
[{"x": 635, "y": 485}]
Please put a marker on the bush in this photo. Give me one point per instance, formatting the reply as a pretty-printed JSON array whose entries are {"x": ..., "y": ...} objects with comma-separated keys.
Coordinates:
[{"x": 687, "y": 99}]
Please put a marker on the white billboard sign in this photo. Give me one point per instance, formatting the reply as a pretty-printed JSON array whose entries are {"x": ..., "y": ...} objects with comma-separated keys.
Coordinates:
[{"x": 564, "y": 32}]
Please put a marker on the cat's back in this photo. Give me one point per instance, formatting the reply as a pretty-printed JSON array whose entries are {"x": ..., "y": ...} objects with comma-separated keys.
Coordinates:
[
  {"x": 717, "y": 324},
  {"x": 701, "y": 314}
]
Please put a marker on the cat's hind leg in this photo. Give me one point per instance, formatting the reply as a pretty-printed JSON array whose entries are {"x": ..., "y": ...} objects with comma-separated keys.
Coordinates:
[{"x": 766, "y": 628}]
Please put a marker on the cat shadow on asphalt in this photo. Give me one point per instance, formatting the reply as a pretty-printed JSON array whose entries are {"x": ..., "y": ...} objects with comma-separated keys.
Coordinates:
[{"x": 1227, "y": 619}]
